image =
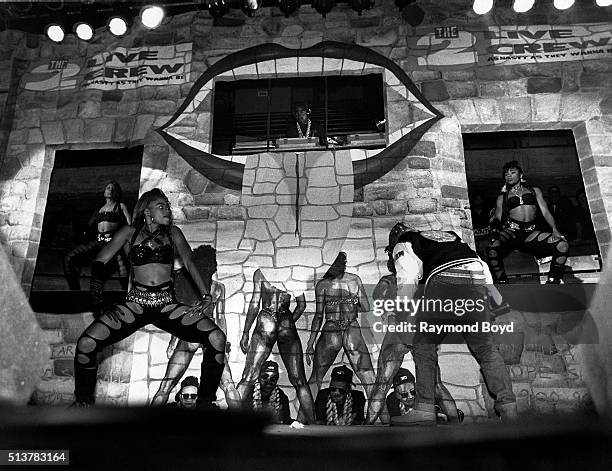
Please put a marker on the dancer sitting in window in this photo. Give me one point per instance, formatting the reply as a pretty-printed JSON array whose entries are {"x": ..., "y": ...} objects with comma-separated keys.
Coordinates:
[
  {"x": 108, "y": 220},
  {"x": 514, "y": 227}
]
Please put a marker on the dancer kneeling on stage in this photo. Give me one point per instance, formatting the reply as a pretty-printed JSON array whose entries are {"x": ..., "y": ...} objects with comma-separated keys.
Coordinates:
[
  {"x": 339, "y": 404},
  {"x": 152, "y": 241},
  {"x": 268, "y": 396},
  {"x": 448, "y": 270},
  {"x": 401, "y": 400},
  {"x": 187, "y": 397},
  {"x": 514, "y": 227}
]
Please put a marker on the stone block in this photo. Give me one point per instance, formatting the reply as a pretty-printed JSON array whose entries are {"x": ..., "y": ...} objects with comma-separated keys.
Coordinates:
[
  {"x": 53, "y": 133},
  {"x": 362, "y": 209},
  {"x": 422, "y": 205},
  {"x": 546, "y": 107},
  {"x": 143, "y": 125},
  {"x": 435, "y": 90},
  {"x": 99, "y": 130},
  {"x": 454, "y": 192},
  {"x": 73, "y": 130},
  {"x": 123, "y": 129},
  {"x": 386, "y": 191},
  {"x": 88, "y": 109},
  {"x": 496, "y": 89},
  {"x": 424, "y": 148},
  {"x": 543, "y": 85},
  {"x": 462, "y": 89},
  {"x": 496, "y": 73},
  {"x": 395, "y": 207},
  {"x": 515, "y": 110},
  {"x": 418, "y": 162}
]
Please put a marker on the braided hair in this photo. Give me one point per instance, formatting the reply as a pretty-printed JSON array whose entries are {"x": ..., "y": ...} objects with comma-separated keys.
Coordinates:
[
  {"x": 347, "y": 412},
  {"x": 274, "y": 403}
]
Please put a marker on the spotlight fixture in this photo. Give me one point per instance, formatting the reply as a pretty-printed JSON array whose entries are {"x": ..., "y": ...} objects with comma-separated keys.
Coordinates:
[
  {"x": 217, "y": 8},
  {"x": 117, "y": 26},
  {"x": 323, "y": 6},
  {"x": 522, "y": 6},
  {"x": 603, "y": 3},
  {"x": 152, "y": 16},
  {"x": 413, "y": 14},
  {"x": 360, "y": 5},
  {"x": 55, "y": 32},
  {"x": 482, "y": 7},
  {"x": 83, "y": 30},
  {"x": 563, "y": 4},
  {"x": 249, "y": 7},
  {"x": 288, "y": 6}
]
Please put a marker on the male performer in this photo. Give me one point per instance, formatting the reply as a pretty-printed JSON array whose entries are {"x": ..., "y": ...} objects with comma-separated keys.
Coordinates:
[{"x": 448, "y": 270}]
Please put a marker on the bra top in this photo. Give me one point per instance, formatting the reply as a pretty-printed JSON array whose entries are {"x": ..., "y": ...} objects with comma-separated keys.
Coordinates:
[
  {"x": 110, "y": 216},
  {"x": 529, "y": 199},
  {"x": 146, "y": 252}
]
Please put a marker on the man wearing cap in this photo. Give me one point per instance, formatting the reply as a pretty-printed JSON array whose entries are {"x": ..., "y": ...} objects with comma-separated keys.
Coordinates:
[
  {"x": 188, "y": 394},
  {"x": 339, "y": 404},
  {"x": 268, "y": 396},
  {"x": 401, "y": 400},
  {"x": 439, "y": 265}
]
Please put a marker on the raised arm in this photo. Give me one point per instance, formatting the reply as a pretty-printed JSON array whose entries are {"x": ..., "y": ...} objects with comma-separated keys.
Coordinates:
[
  {"x": 253, "y": 309},
  {"x": 184, "y": 251},
  {"x": 126, "y": 214}
]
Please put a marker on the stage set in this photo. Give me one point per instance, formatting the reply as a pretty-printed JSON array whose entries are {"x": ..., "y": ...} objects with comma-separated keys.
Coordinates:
[{"x": 288, "y": 141}]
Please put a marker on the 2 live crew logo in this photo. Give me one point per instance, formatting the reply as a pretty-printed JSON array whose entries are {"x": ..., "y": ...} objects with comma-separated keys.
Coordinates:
[{"x": 121, "y": 68}]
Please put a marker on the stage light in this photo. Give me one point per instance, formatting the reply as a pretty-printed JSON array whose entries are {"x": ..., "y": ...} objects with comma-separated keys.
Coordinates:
[
  {"x": 563, "y": 4},
  {"x": 323, "y": 6},
  {"x": 413, "y": 15},
  {"x": 83, "y": 31},
  {"x": 249, "y": 7},
  {"x": 603, "y": 3},
  {"x": 288, "y": 6},
  {"x": 522, "y": 6},
  {"x": 217, "y": 8},
  {"x": 117, "y": 26},
  {"x": 482, "y": 7},
  {"x": 360, "y": 5},
  {"x": 55, "y": 32},
  {"x": 152, "y": 16}
]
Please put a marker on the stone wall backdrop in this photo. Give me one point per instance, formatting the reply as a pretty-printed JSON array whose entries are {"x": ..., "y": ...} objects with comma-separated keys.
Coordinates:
[{"x": 251, "y": 227}]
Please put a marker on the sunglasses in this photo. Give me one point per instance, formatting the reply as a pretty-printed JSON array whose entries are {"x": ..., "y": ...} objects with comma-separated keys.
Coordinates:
[
  {"x": 340, "y": 390},
  {"x": 189, "y": 396}
]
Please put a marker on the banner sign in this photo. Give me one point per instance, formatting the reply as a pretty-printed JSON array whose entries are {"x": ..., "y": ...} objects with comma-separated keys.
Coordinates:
[
  {"x": 122, "y": 68},
  {"x": 512, "y": 45}
]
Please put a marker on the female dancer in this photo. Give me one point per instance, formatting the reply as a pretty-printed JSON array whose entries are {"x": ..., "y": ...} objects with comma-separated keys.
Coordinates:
[
  {"x": 514, "y": 227},
  {"x": 109, "y": 219},
  {"x": 153, "y": 242},
  {"x": 275, "y": 323},
  {"x": 181, "y": 354},
  {"x": 340, "y": 296}
]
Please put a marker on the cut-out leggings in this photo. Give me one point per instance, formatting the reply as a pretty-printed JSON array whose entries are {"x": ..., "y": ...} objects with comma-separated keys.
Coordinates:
[
  {"x": 115, "y": 323},
  {"x": 526, "y": 238}
]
